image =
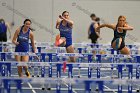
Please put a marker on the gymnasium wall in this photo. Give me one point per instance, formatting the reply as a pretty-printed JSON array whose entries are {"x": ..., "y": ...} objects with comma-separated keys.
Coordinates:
[{"x": 44, "y": 14}]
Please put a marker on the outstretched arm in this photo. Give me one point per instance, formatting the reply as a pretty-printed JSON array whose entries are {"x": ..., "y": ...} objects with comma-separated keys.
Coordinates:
[
  {"x": 126, "y": 27},
  {"x": 106, "y": 25}
]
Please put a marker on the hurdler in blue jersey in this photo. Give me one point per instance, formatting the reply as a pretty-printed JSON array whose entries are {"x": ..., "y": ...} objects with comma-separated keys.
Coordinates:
[
  {"x": 92, "y": 34},
  {"x": 21, "y": 40},
  {"x": 4, "y": 27},
  {"x": 65, "y": 25},
  {"x": 66, "y": 31},
  {"x": 3, "y": 31}
]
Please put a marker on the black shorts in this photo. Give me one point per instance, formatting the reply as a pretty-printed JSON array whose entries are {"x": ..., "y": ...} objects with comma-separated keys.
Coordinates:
[
  {"x": 122, "y": 44},
  {"x": 3, "y": 37},
  {"x": 93, "y": 38}
]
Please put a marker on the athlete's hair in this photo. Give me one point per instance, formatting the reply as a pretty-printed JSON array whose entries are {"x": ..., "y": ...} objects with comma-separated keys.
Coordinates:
[
  {"x": 121, "y": 16},
  {"x": 27, "y": 20},
  {"x": 97, "y": 20},
  {"x": 65, "y": 12},
  {"x": 2, "y": 21},
  {"x": 92, "y": 15}
]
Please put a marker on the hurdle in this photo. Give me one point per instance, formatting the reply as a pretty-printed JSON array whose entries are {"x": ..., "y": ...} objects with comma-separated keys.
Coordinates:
[
  {"x": 87, "y": 83},
  {"x": 78, "y": 46},
  {"x": 99, "y": 57},
  {"x": 112, "y": 58}
]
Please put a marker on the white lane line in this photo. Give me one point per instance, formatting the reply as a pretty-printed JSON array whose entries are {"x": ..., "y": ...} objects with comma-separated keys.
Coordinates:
[
  {"x": 31, "y": 87},
  {"x": 72, "y": 89},
  {"x": 110, "y": 89},
  {"x": 67, "y": 85}
]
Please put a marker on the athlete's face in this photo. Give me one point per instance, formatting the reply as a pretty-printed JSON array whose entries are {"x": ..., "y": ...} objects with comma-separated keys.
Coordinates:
[
  {"x": 122, "y": 21},
  {"x": 93, "y": 18},
  {"x": 66, "y": 15},
  {"x": 27, "y": 24}
]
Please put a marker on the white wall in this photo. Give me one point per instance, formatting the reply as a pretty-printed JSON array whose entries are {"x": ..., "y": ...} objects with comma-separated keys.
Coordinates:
[{"x": 44, "y": 14}]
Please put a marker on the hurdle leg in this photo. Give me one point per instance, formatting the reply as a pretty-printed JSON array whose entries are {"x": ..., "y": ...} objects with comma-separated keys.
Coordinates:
[
  {"x": 50, "y": 61},
  {"x": 39, "y": 49},
  {"x": 38, "y": 69},
  {"x": 43, "y": 70},
  {"x": 120, "y": 76},
  {"x": 138, "y": 75},
  {"x": 6, "y": 86},
  {"x": 89, "y": 68},
  {"x": 70, "y": 68},
  {"x": 1, "y": 85},
  {"x": 50, "y": 75},
  {"x": 32, "y": 71},
  {"x": 79, "y": 70},
  {"x": 0, "y": 47},
  {"x": 112, "y": 72},
  {"x": 87, "y": 86},
  {"x": 137, "y": 72},
  {"x": 130, "y": 75},
  {"x": 19, "y": 86},
  {"x": 100, "y": 86},
  {"x": 3, "y": 56},
  {"x": 3, "y": 69},
  {"x": 8, "y": 69},
  {"x": 50, "y": 56},
  {"x": 58, "y": 86},
  {"x": 98, "y": 68}
]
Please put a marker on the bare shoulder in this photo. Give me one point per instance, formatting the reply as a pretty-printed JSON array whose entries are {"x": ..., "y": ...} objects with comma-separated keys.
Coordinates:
[
  {"x": 58, "y": 23},
  {"x": 7, "y": 24},
  {"x": 31, "y": 32},
  {"x": 113, "y": 26},
  {"x": 18, "y": 30}
]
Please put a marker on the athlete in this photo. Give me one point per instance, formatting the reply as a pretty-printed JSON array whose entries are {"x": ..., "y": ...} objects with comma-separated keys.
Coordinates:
[
  {"x": 92, "y": 34},
  {"x": 65, "y": 25},
  {"x": 4, "y": 27},
  {"x": 21, "y": 39},
  {"x": 120, "y": 29}
]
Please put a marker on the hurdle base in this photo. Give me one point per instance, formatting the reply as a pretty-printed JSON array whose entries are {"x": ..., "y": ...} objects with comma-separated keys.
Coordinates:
[
  {"x": 43, "y": 88},
  {"x": 116, "y": 90},
  {"x": 37, "y": 75},
  {"x": 138, "y": 90},
  {"x": 79, "y": 76},
  {"x": 48, "y": 88},
  {"x": 96, "y": 89}
]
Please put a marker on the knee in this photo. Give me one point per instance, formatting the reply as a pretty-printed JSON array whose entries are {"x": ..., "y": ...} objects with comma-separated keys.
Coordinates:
[
  {"x": 25, "y": 67},
  {"x": 19, "y": 67},
  {"x": 72, "y": 59},
  {"x": 128, "y": 50},
  {"x": 120, "y": 39},
  {"x": 118, "y": 43}
]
